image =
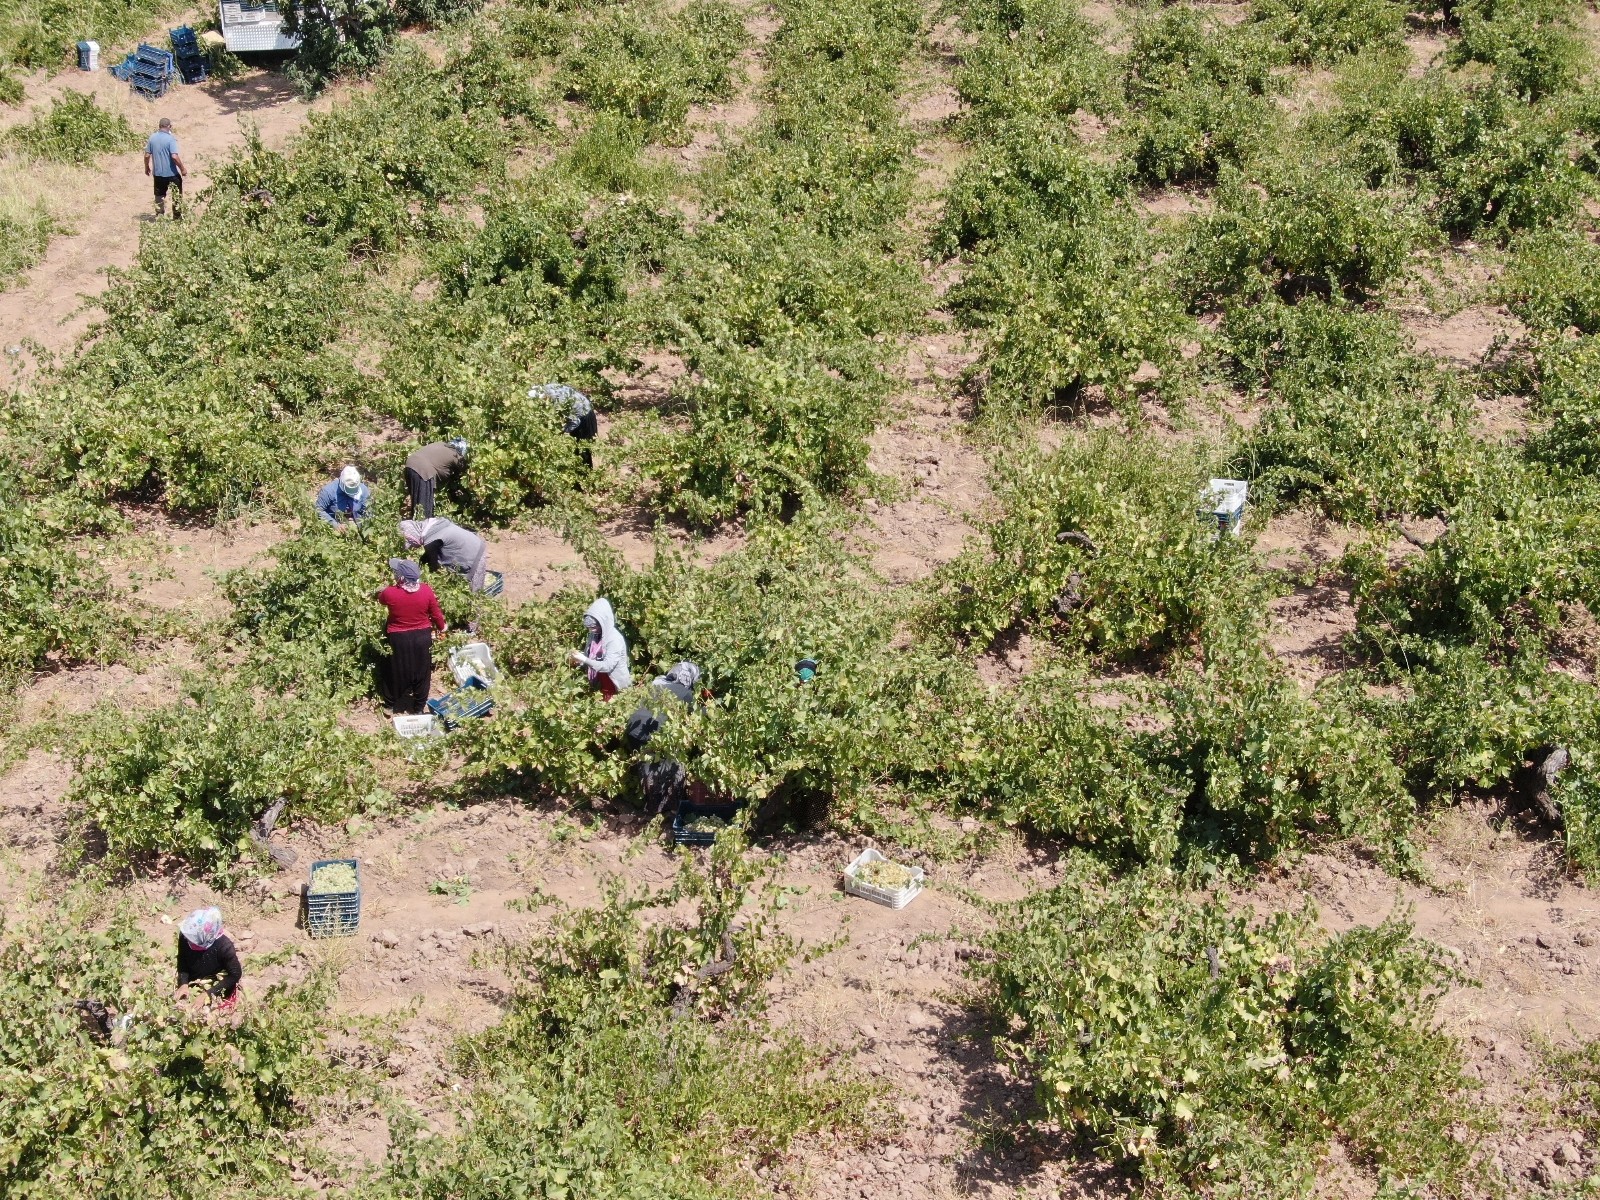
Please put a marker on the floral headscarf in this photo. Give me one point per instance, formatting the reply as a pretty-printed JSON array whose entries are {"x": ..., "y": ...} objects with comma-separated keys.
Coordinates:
[
  {"x": 417, "y": 533},
  {"x": 202, "y": 927}
]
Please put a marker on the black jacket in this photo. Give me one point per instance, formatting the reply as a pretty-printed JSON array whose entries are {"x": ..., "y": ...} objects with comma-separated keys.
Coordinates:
[
  {"x": 585, "y": 428},
  {"x": 646, "y": 719},
  {"x": 217, "y": 959}
]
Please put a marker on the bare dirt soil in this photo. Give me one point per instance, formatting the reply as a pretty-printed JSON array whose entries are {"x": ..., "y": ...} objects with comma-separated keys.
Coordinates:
[
  {"x": 108, "y": 205},
  {"x": 892, "y": 990}
]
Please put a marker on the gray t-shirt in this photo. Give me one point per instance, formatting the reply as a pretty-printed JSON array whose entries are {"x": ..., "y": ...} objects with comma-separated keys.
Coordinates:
[{"x": 161, "y": 147}]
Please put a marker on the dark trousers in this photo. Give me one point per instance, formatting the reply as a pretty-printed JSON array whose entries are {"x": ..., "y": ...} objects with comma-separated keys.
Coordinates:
[
  {"x": 410, "y": 670},
  {"x": 163, "y": 182},
  {"x": 421, "y": 492}
]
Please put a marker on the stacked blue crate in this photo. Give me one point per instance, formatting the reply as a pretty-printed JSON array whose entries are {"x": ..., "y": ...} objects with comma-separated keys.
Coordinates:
[
  {"x": 192, "y": 66},
  {"x": 147, "y": 70}
]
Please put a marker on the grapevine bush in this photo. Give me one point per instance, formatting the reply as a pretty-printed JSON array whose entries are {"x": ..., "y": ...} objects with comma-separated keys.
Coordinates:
[
  {"x": 616, "y": 1074},
  {"x": 188, "y": 779},
  {"x": 650, "y": 64},
  {"x": 1202, "y": 94},
  {"x": 74, "y": 128},
  {"x": 112, "y": 1116},
  {"x": 1321, "y": 31},
  {"x": 56, "y": 604},
  {"x": 1176, "y": 1033}
]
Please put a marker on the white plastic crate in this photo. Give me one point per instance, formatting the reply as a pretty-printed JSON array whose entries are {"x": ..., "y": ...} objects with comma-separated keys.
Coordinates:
[
  {"x": 891, "y": 898},
  {"x": 474, "y": 660},
  {"x": 1222, "y": 504},
  {"x": 414, "y": 725}
]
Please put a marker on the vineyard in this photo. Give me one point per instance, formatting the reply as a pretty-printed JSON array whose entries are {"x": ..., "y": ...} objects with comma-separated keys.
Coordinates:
[{"x": 1253, "y": 866}]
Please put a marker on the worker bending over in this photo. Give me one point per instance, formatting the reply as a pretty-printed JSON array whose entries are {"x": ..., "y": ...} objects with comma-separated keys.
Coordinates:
[
  {"x": 607, "y": 659},
  {"x": 445, "y": 545},
  {"x": 344, "y": 499},
  {"x": 427, "y": 468},
  {"x": 578, "y": 419},
  {"x": 662, "y": 780}
]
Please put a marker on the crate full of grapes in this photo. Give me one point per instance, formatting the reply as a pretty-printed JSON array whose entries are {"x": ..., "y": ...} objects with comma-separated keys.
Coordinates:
[
  {"x": 698, "y": 824},
  {"x": 875, "y": 878},
  {"x": 333, "y": 900}
]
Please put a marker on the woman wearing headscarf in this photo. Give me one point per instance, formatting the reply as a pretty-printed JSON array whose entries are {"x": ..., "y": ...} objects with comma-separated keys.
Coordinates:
[
  {"x": 677, "y": 684},
  {"x": 445, "y": 544},
  {"x": 607, "y": 659},
  {"x": 661, "y": 780},
  {"x": 414, "y": 614},
  {"x": 577, "y": 415},
  {"x": 206, "y": 955}
]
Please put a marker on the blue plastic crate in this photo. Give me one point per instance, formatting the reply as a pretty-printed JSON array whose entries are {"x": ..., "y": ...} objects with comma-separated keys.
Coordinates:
[
  {"x": 148, "y": 60},
  {"x": 334, "y": 914},
  {"x": 494, "y": 582},
  {"x": 464, "y": 704},
  {"x": 688, "y": 811}
]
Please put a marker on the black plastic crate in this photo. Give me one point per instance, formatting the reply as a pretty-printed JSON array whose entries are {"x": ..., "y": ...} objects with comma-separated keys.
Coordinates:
[
  {"x": 688, "y": 811},
  {"x": 333, "y": 914}
]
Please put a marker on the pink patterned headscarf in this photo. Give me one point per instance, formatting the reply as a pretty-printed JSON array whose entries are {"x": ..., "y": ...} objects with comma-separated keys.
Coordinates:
[{"x": 202, "y": 927}]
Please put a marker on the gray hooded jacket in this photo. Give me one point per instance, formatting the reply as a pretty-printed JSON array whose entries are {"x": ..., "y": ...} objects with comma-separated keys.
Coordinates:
[{"x": 612, "y": 656}]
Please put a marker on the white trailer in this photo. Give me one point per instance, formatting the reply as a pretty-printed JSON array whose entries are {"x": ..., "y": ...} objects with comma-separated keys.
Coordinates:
[{"x": 251, "y": 26}]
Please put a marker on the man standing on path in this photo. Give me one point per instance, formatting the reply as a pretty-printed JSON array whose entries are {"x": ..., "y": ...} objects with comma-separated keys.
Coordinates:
[{"x": 162, "y": 160}]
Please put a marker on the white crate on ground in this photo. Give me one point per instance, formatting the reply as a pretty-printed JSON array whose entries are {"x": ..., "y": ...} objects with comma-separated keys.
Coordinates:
[
  {"x": 1222, "y": 504},
  {"x": 414, "y": 725},
  {"x": 891, "y": 897}
]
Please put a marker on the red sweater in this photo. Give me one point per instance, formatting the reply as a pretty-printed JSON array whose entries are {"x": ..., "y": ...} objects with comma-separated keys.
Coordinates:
[{"x": 410, "y": 611}]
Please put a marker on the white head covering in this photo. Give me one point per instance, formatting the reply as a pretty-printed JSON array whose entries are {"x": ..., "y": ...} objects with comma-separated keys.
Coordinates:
[
  {"x": 350, "y": 481},
  {"x": 202, "y": 927}
]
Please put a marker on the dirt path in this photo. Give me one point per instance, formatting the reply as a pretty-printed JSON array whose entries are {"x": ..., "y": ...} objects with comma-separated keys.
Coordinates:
[{"x": 108, "y": 206}]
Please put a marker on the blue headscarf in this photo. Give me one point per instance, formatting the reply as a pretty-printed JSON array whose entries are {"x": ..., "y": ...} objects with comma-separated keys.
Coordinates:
[{"x": 406, "y": 573}]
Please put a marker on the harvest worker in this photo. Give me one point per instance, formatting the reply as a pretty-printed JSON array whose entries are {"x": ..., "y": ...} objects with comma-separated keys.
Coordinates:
[
  {"x": 344, "y": 499},
  {"x": 426, "y": 467},
  {"x": 414, "y": 614},
  {"x": 607, "y": 659},
  {"x": 578, "y": 421},
  {"x": 662, "y": 780},
  {"x": 677, "y": 684},
  {"x": 446, "y": 545},
  {"x": 163, "y": 162},
  {"x": 206, "y": 955}
]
